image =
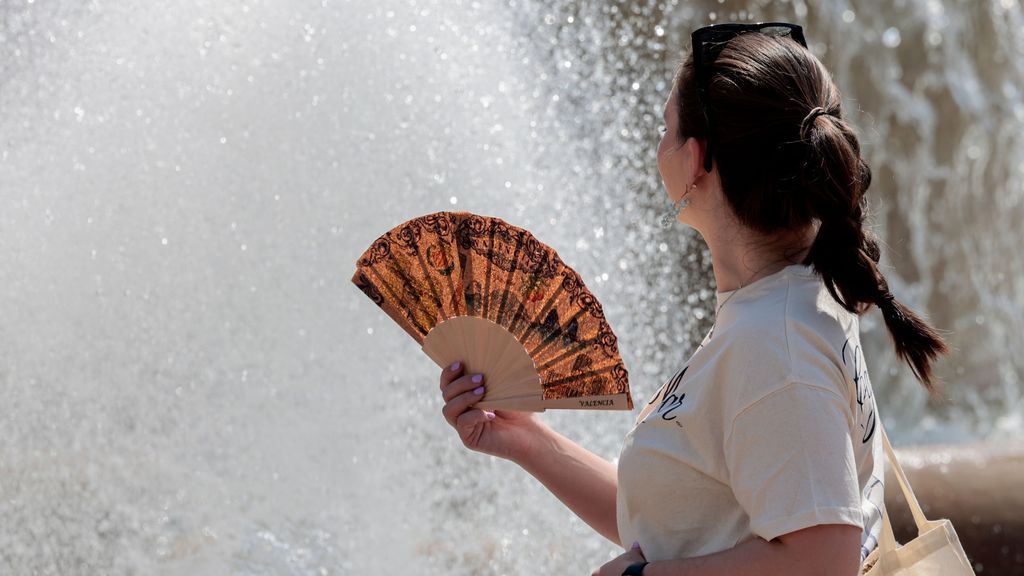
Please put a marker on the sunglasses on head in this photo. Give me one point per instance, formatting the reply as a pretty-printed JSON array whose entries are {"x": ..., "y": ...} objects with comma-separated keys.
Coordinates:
[{"x": 709, "y": 41}]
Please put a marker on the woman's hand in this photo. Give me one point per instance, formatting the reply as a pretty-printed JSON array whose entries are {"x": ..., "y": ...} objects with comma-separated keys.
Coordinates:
[
  {"x": 582, "y": 480},
  {"x": 503, "y": 433},
  {"x": 619, "y": 564}
]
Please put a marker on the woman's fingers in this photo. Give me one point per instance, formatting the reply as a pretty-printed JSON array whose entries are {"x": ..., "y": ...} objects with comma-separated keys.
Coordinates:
[
  {"x": 461, "y": 385},
  {"x": 450, "y": 373},
  {"x": 460, "y": 392},
  {"x": 458, "y": 402}
]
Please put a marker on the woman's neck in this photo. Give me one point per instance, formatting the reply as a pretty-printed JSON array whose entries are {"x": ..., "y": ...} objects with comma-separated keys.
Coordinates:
[{"x": 744, "y": 256}]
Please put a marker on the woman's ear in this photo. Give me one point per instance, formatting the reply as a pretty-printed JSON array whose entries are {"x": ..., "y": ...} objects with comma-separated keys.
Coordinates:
[{"x": 695, "y": 148}]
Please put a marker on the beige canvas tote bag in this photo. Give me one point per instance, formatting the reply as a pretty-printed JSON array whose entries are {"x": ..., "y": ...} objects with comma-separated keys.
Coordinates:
[{"x": 935, "y": 552}]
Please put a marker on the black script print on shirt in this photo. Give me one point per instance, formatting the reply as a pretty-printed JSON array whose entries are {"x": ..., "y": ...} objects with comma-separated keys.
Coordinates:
[
  {"x": 853, "y": 358},
  {"x": 669, "y": 400}
]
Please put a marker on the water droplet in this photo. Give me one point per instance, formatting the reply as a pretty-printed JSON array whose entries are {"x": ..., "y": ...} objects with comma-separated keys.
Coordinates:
[
  {"x": 891, "y": 37},
  {"x": 849, "y": 16}
]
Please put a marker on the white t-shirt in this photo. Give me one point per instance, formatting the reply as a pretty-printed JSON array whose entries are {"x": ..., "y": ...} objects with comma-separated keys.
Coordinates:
[{"x": 770, "y": 427}]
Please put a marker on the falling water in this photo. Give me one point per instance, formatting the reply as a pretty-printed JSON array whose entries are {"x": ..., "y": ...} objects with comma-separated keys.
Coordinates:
[{"x": 191, "y": 384}]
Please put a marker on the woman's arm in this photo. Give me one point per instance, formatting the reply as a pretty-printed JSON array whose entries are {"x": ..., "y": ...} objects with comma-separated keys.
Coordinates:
[
  {"x": 832, "y": 549},
  {"x": 582, "y": 480}
]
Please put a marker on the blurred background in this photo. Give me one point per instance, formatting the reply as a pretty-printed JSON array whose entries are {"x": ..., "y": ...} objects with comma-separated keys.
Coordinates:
[{"x": 191, "y": 384}]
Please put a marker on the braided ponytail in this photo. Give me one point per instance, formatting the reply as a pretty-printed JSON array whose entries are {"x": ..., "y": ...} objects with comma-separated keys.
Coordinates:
[
  {"x": 846, "y": 255},
  {"x": 776, "y": 177}
]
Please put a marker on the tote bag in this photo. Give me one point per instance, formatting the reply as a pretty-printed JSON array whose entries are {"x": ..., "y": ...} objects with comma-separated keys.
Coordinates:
[{"x": 936, "y": 551}]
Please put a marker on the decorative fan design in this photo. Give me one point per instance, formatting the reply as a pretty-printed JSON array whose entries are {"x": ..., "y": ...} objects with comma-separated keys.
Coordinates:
[{"x": 476, "y": 289}]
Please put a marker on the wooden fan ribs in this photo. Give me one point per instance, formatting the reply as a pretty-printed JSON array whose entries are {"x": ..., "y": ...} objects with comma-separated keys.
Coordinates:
[{"x": 452, "y": 264}]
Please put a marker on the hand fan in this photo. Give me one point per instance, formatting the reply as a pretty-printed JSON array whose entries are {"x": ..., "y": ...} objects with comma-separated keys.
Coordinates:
[{"x": 476, "y": 289}]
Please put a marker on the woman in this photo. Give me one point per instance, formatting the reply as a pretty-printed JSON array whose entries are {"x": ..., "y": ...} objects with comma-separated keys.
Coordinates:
[{"x": 760, "y": 454}]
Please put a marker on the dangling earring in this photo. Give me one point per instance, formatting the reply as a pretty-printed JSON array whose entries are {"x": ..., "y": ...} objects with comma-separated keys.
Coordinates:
[
  {"x": 677, "y": 207},
  {"x": 686, "y": 203}
]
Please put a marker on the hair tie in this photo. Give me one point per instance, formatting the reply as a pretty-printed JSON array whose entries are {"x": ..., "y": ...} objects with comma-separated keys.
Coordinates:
[
  {"x": 885, "y": 304},
  {"x": 809, "y": 120}
]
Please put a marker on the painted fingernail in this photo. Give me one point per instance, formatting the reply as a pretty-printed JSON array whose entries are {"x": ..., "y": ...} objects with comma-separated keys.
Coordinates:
[
  {"x": 456, "y": 366},
  {"x": 479, "y": 391},
  {"x": 636, "y": 545},
  {"x": 478, "y": 378}
]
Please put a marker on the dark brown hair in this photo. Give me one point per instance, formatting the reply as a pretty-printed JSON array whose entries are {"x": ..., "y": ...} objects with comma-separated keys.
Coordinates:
[{"x": 786, "y": 160}]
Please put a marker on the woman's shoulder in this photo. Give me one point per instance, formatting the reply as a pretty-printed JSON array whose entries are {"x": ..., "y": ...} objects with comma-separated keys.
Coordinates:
[
  {"x": 800, "y": 306},
  {"x": 795, "y": 332},
  {"x": 815, "y": 320},
  {"x": 819, "y": 331}
]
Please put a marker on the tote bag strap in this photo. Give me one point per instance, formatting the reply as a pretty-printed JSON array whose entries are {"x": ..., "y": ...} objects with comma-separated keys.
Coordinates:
[{"x": 888, "y": 540}]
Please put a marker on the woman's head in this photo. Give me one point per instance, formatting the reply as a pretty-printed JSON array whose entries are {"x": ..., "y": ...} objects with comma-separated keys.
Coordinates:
[{"x": 786, "y": 160}]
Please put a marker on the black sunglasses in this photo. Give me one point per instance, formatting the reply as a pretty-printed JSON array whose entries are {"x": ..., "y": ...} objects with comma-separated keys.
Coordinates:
[{"x": 708, "y": 43}]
